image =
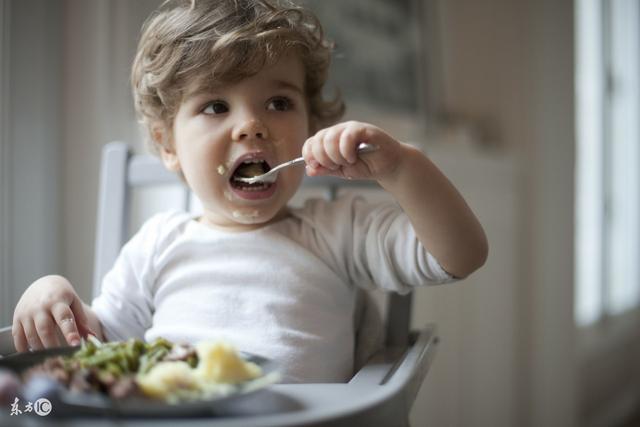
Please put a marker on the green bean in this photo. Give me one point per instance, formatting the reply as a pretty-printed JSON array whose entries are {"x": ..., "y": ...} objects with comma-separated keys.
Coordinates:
[
  {"x": 159, "y": 343},
  {"x": 101, "y": 357},
  {"x": 114, "y": 368},
  {"x": 133, "y": 349},
  {"x": 119, "y": 358},
  {"x": 149, "y": 360},
  {"x": 192, "y": 360}
]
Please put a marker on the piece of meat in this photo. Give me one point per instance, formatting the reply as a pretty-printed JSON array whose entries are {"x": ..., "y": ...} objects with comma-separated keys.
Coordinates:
[
  {"x": 123, "y": 387},
  {"x": 53, "y": 367},
  {"x": 81, "y": 381}
]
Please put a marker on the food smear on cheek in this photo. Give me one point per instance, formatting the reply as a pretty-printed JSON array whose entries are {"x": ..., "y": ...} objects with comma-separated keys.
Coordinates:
[{"x": 221, "y": 169}]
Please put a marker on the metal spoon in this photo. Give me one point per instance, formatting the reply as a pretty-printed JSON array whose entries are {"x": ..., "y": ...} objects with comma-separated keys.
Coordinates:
[{"x": 271, "y": 175}]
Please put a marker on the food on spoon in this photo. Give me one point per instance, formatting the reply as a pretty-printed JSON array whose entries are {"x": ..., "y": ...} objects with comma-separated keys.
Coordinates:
[{"x": 250, "y": 169}]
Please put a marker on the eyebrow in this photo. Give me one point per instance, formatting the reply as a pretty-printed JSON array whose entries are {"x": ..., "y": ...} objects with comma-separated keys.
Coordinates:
[
  {"x": 278, "y": 83},
  {"x": 283, "y": 84}
]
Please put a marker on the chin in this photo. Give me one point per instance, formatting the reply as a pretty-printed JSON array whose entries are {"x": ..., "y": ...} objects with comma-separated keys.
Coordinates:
[{"x": 250, "y": 215}]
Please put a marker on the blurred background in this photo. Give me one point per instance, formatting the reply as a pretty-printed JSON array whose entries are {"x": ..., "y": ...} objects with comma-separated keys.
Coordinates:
[{"x": 531, "y": 107}]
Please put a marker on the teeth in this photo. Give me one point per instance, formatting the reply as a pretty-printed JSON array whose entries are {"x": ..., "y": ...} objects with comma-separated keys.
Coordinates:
[
  {"x": 253, "y": 161},
  {"x": 254, "y": 187}
]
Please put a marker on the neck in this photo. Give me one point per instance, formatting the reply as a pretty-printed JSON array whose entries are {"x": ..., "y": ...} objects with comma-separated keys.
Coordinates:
[{"x": 236, "y": 226}]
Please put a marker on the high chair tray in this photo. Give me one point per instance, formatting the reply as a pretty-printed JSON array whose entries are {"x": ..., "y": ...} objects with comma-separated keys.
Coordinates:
[{"x": 381, "y": 394}]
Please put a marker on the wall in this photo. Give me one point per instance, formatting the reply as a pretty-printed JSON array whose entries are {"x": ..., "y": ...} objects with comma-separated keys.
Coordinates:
[
  {"x": 99, "y": 44},
  {"x": 549, "y": 161},
  {"x": 31, "y": 127},
  {"x": 508, "y": 71},
  {"x": 5, "y": 171},
  {"x": 476, "y": 317}
]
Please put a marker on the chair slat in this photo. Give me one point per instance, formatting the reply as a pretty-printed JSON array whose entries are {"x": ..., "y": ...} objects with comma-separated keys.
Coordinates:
[
  {"x": 146, "y": 170},
  {"x": 112, "y": 215}
]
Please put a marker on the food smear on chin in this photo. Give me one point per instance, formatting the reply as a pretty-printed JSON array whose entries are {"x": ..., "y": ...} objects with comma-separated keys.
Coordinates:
[{"x": 245, "y": 215}]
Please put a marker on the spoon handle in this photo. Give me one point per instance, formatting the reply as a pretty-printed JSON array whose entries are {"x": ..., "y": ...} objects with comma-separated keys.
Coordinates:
[{"x": 362, "y": 148}]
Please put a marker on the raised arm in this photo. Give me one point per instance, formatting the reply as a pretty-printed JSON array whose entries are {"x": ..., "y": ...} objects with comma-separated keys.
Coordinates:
[{"x": 443, "y": 222}]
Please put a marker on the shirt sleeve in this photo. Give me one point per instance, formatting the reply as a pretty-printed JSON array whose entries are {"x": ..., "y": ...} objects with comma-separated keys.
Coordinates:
[
  {"x": 375, "y": 245},
  {"x": 124, "y": 306}
]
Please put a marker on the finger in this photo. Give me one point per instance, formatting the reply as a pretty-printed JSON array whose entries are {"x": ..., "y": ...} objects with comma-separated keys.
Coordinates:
[
  {"x": 314, "y": 141},
  {"x": 19, "y": 339},
  {"x": 66, "y": 321},
  {"x": 33, "y": 340},
  {"x": 307, "y": 154},
  {"x": 321, "y": 156},
  {"x": 349, "y": 140},
  {"x": 319, "y": 171},
  {"x": 82, "y": 322},
  {"x": 85, "y": 330},
  {"x": 46, "y": 328},
  {"x": 331, "y": 143}
]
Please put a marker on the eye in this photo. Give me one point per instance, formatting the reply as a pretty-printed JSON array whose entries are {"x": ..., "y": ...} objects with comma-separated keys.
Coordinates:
[
  {"x": 216, "y": 107},
  {"x": 279, "y": 103}
]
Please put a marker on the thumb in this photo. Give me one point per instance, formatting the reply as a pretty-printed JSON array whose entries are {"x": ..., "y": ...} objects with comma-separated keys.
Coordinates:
[
  {"x": 82, "y": 322},
  {"x": 66, "y": 321}
]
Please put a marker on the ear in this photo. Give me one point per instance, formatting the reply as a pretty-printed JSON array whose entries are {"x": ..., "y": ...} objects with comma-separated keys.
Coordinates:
[
  {"x": 167, "y": 148},
  {"x": 170, "y": 159}
]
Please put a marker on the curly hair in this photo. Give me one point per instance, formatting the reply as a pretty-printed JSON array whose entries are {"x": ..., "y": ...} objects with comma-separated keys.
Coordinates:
[{"x": 209, "y": 42}]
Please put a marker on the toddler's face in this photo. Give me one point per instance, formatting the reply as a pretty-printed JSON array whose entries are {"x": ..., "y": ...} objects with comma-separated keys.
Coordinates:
[{"x": 262, "y": 118}]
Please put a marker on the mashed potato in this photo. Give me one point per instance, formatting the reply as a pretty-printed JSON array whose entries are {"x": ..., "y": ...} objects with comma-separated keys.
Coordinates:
[
  {"x": 220, "y": 363},
  {"x": 166, "y": 377},
  {"x": 219, "y": 369}
]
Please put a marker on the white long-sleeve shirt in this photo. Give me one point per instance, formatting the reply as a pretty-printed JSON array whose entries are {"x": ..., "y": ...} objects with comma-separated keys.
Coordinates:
[{"x": 285, "y": 291}]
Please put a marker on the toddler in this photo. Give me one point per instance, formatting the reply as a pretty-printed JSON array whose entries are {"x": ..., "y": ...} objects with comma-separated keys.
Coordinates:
[{"x": 231, "y": 88}]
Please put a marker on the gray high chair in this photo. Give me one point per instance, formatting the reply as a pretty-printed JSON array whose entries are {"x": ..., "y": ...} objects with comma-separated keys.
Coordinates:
[{"x": 380, "y": 393}]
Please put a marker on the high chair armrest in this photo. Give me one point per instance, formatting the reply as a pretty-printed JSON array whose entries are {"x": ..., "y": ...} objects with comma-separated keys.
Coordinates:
[
  {"x": 405, "y": 368},
  {"x": 6, "y": 341},
  {"x": 413, "y": 367}
]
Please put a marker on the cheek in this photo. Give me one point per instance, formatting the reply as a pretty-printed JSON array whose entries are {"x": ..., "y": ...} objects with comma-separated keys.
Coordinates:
[
  {"x": 294, "y": 144},
  {"x": 294, "y": 130},
  {"x": 203, "y": 168}
]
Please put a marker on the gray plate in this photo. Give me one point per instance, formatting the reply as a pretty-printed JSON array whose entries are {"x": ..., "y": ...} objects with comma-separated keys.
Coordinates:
[{"x": 65, "y": 403}]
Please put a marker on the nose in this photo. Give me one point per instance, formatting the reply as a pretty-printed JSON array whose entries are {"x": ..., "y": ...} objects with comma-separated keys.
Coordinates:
[{"x": 250, "y": 128}]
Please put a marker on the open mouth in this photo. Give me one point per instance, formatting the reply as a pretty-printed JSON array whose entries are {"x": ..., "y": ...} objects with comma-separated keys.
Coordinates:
[{"x": 248, "y": 169}]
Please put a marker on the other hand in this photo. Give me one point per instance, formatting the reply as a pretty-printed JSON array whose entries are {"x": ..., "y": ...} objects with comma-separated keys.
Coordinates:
[{"x": 50, "y": 303}]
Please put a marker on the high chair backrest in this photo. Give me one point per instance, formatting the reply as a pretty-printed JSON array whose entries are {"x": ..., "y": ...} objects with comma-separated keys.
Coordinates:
[{"x": 122, "y": 172}]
